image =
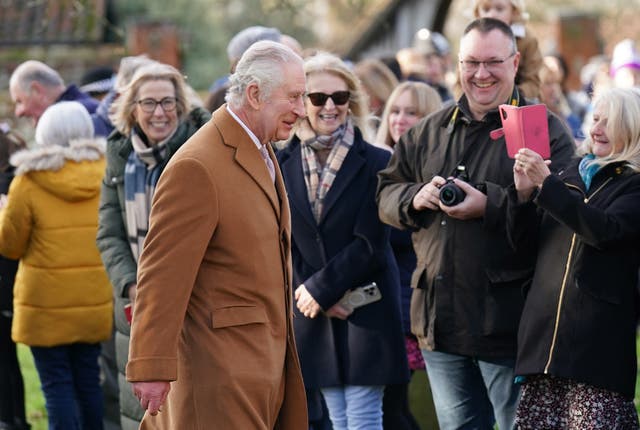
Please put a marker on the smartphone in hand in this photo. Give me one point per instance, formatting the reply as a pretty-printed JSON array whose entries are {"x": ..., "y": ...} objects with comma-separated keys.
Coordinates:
[{"x": 361, "y": 296}]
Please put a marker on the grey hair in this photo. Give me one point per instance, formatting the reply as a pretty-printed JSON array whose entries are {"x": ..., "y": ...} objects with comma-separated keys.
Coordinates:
[
  {"x": 261, "y": 64},
  {"x": 62, "y": 122},
  {"x": 35, "y": 71}
]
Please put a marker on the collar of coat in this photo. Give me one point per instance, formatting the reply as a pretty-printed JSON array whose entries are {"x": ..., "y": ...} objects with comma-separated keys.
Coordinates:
[{"x": 53, "y": 157}]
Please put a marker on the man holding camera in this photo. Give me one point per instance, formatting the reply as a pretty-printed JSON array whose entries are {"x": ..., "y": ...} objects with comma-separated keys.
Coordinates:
[{"x": 468, "y": 282}]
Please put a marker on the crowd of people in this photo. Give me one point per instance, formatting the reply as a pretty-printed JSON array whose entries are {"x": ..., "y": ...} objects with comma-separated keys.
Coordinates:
[{"x": 281, "y": 255}]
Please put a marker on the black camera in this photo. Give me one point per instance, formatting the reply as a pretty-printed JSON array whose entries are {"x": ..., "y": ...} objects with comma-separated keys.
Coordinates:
[{"x": 450, "y": 193}]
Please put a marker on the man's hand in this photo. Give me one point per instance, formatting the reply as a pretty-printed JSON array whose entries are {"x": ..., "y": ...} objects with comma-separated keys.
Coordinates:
[
  {"x": 429, "y": 195},
  {"x": 151, "y": 394},
  {"x": 473, "y": 205},
  {"x": 306, "y": 303}
]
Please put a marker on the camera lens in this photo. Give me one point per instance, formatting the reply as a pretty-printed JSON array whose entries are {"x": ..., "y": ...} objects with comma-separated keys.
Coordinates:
[{"x": 451, "y": 194}]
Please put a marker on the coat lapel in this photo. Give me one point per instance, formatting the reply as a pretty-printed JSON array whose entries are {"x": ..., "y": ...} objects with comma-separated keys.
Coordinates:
[
  {"x": 296, "y": 187},
  {"x": 349, "y": 170},
  {"x": 246, "y": 154}
]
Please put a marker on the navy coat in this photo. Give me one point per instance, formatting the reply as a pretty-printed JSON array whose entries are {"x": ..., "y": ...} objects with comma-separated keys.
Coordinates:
[{"x": 349, "y": 247}]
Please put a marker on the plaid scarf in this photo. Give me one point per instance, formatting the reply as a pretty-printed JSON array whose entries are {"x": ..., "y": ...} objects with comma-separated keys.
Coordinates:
[
  {"x": 141, "y": 174},
  {"x": 319, "y": 179}
]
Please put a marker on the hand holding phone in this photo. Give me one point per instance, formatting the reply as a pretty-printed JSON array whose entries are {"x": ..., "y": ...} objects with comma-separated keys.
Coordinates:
[{"x": 361, "y": 296}]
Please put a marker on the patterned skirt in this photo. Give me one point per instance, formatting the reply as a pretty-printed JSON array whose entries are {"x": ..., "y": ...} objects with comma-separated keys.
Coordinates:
[{"x": 552, "y": 403}]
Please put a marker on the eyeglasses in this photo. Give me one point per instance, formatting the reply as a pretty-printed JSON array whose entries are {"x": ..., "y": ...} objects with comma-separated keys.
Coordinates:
[
  {"x": 149, "y": 105},
  {"x": 490, "y": 65},
  {"x": 339, "y": 98}
]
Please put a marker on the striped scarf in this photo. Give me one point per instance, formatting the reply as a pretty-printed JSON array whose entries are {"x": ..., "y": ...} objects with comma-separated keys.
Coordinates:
[
  {"x": 319, "y": 179},
  {"x": 141, "y": 174}
]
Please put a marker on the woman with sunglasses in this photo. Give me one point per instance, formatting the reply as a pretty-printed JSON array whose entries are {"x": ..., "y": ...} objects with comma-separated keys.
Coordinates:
[
  {"x": 153, "y": 118},
  {"x": 347, "y": 353}
]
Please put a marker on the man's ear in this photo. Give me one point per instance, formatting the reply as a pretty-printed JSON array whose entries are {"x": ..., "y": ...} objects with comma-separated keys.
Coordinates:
[
  {"x": 253, "y": 96},
  {"x": 35, "y": 87}
]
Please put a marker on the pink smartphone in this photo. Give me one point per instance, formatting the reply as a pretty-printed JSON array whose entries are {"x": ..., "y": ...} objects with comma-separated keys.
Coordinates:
[
  {"x": 128, "y": 312},
  {"x": 526, "y": 127}
]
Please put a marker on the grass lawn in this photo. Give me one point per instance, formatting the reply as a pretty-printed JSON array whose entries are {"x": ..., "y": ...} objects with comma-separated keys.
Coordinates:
[
  {"x": 36, "y": 412},
  {"x": 425, "y": 415}
]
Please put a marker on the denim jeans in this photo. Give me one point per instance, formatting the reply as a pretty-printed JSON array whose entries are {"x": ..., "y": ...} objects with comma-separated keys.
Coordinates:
[
  {"x": 70, "y": 378},
  {"x": 472, "y": 393},
  {"x": 354, "y": 407}
]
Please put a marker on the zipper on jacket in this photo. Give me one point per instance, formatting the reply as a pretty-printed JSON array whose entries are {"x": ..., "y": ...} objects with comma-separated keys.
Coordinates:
[{"x": 565, "y": 277}]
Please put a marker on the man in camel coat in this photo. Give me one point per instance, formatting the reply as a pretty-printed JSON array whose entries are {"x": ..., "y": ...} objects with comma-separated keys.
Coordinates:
[{"x": 212, "y": 344}]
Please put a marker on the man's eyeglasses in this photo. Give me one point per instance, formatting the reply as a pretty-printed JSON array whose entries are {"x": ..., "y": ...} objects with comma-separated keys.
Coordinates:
[
  {"x": 149, "y": 105},
  {"x": 339, "y": 98},
  {"x": 490, "y": 65}
]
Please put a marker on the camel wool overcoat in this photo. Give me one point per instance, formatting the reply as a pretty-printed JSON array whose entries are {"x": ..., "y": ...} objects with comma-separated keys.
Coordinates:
[{"x": 213, "y": 310}]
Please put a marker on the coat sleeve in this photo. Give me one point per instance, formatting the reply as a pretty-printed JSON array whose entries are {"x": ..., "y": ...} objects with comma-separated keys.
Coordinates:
[
  {"x": 358, "y": 262},
  {"x": 181, "y": 224},
  {"x": 614, "y": 225},
  {"x": 16, "y": 220},
  {"x": 398, "y": 183},
  {"x": 112, "y": 238}
]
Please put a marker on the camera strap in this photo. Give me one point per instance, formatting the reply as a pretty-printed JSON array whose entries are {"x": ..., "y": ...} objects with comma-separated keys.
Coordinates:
[{"x": 451, "y": 129}]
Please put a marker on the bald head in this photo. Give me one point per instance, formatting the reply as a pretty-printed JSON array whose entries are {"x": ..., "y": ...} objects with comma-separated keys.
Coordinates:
[{"x": 34, "y": 87}]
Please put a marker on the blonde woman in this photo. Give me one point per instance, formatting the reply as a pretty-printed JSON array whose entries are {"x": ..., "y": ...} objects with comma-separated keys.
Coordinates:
[
  {"x": 153, "y": 118},
  {"x": 339, "y": 244},
  {"x": 577, "y": 336},
  {"x": 408, "y": 103}
]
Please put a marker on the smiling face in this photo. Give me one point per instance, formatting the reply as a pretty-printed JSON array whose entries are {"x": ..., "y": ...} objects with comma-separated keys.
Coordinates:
[
  {"x": 283, "y": 107},
  {"x": 159, "y": 124},
  {"x": 326, "y": 119},
  {"x": 403, "y": 115},
  {"x": 601, "y": 146},
  {"x": 487, "y": 87}
]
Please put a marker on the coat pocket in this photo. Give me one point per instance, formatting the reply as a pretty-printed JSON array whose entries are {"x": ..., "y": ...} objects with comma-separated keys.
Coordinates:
[
  {"x": 238, "y": 315},
  {"x": 504, "y": 300}
]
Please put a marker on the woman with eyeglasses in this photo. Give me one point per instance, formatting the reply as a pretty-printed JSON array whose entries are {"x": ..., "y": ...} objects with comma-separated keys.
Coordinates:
[
  {"x": 153, "y": 118},
  {"x": 347, "y": 353}
]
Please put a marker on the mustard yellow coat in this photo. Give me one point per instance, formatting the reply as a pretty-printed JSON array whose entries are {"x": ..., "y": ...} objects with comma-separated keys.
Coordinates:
[
  {"x": 61, "y": 294},
  {"x": 213, "y": 309}
]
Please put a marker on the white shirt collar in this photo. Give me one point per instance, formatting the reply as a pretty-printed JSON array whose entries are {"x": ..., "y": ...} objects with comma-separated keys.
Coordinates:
[{"x": 249, "y": 132}]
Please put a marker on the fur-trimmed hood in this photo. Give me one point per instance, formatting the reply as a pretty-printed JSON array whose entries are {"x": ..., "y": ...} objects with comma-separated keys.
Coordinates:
[
  {"x": 70, "y": 172},
  {"x": 53, "y": 157}
]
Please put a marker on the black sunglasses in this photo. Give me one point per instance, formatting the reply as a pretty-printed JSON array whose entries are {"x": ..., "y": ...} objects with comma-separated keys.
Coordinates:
[{"x": 339, "y": 98}]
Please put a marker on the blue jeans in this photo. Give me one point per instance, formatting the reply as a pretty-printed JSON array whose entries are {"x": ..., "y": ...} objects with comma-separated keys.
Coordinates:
[
  {"x": 472, "y": 393},
  {"x": 354, "y": 407},
  {"x": 70, "y": 379}
]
